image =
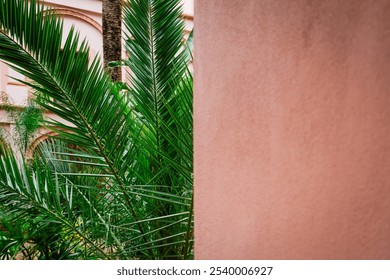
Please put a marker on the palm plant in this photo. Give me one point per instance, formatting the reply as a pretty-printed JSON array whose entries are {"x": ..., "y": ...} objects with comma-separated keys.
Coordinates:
[{"x": 116, "y": 181}]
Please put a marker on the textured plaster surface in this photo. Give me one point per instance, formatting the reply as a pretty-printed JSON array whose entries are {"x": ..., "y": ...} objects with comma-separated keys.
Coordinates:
[{"x": 292, "y": 133}]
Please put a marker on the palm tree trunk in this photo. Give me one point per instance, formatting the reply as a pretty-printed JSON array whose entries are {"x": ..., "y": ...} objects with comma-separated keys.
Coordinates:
[{"x": 112, "y": 38}]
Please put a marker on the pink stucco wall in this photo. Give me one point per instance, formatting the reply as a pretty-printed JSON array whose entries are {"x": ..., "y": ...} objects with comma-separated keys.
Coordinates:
[{"x": 292, "y": 129}]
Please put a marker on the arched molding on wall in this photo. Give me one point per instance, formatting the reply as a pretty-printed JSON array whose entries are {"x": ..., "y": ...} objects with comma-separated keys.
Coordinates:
[
  {"x": 37, "y": 141},
  {"x": 188, "y": 17},
  {"x": 78, "y": 15}
]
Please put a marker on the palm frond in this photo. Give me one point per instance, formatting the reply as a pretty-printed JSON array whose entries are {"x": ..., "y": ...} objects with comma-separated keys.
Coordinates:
[
  {"x": 77, "y": 91},
  {"x": 161, "y": 95},
  {"x": 34, "y": 193}
]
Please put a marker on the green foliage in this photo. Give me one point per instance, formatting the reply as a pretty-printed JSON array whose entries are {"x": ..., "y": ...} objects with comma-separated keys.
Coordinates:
[
  {"x": 117, "y": 180},
  {"x": 27, "y": 122}
]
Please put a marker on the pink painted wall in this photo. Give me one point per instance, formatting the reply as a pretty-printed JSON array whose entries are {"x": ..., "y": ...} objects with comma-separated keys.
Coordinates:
[{"x": 292, "y": 129}]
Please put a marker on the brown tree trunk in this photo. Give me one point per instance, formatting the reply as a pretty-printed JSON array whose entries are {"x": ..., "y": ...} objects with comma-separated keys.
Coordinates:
[{"x": 112, "y": 37}]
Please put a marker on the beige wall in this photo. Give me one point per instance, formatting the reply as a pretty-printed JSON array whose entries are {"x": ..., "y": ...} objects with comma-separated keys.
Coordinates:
[{"x": 292, "y": 129}]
